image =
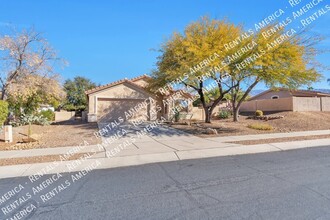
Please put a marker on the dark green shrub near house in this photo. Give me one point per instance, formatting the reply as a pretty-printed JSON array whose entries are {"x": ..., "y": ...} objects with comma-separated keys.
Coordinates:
[
  {"x": 48, "y": 114},
  {"x": 71, "y": 108},
  {"x": 3, "y": 111}
]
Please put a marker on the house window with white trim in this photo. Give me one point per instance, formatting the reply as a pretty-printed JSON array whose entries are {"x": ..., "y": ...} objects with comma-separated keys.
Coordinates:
[{"x": 275, "y": 97}]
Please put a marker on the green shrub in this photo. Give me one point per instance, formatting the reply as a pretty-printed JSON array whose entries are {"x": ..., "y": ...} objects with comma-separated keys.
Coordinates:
[
  {"x": 70, "y": 107},
  {"x": 259, "y": 113},
  {"x": 3, "y": 111},
  {"x": 31, "y": 119},
  {"x": 224, "y": 114},
  {"x": 49, "y": 114},
  {"x": 259, "y": 126}
]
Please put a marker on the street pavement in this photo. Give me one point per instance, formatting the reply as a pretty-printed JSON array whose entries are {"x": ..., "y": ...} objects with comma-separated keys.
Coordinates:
[{"x": 291, "y": 184}]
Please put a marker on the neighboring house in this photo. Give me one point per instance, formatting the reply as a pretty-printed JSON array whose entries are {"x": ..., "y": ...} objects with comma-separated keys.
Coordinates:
[
  {"x": 128, "y": 97},
  {"x": 288, "y": 100}
]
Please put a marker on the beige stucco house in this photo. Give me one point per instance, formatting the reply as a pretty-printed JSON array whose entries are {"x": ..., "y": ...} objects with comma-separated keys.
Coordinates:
[
  {"x": 286, "y": 93},
  {"x": 287, "y": 100},
  {"x": 128, "y": 99}
]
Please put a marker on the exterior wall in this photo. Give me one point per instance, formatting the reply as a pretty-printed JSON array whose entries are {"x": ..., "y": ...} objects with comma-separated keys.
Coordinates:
[
  {"x": 64, "y": 116},
  {"x": 325, "y": 103},
  {"x": 249, "y": 106},
  {"x": 91, "y": 104},
  {"x": 121, "y": 91},
  {"x": 197, "y": 113},
  {"x": 298, "y": 104},
  {"x": 280, "y": 94},
  {"x": 283, "y": 104},
  {"x": 306, "y": 104}
]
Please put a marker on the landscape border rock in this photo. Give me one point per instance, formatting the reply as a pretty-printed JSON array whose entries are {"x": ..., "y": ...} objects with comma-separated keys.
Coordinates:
[{"x": 266, "y": 118}]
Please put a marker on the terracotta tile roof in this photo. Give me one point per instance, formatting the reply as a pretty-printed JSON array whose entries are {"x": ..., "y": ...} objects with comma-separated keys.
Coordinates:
[
  {"x": 144, "y": 76},
  {"x": 130, "y": 81}
]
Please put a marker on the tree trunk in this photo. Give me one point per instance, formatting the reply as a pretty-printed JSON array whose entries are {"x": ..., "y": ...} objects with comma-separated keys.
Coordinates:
[
  {"x": 3, "y": 93},
  {"x": 207, "y": 115},
  {"x": 235, "y": 113}
]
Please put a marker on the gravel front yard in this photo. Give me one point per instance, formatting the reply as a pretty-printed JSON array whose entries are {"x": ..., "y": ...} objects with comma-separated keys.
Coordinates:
[
  {"x": 292, "y": 121},
  {"x": 64, "y": 134}
]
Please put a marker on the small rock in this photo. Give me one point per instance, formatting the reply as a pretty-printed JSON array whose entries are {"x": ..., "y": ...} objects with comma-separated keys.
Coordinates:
[{"x": 211, "y": 131}]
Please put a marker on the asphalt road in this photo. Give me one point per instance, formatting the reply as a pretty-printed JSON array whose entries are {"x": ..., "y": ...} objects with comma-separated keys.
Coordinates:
[{"x": 281, "y": 185}]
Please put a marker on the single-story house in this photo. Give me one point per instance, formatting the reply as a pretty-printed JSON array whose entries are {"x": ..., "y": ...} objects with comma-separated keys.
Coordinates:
[
  {"x": 288, "y": 100},
  {"x": 286, "y": 93},
  {"x": 127, "y": 99}
]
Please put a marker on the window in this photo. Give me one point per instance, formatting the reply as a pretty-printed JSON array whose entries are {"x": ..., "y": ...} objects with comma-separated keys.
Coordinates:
[{"x": 275, "y": 97}]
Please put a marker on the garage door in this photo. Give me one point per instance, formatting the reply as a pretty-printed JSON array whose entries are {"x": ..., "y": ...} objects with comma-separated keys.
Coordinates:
[{"x": 112, "y": 109}]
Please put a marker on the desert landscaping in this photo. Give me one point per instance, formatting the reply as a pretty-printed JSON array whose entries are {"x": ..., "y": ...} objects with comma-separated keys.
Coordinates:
[
  {"x": 291, "y": 121},
  {"x": 57, "y": 134}
]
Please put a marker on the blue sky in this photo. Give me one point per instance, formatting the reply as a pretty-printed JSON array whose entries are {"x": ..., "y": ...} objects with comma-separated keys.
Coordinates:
[{"x": 109, "y": 40}]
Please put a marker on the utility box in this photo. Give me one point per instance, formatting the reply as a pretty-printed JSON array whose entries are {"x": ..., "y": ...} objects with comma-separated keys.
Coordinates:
[{"x": 8, "y": 133}]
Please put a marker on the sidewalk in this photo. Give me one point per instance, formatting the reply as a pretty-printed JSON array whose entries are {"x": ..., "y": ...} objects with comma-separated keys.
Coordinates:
[
  {"x": 160, "y": 149},
  {"x": 167, "y": 144}
]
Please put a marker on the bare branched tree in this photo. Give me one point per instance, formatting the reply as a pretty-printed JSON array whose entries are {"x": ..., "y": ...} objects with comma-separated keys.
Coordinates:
[{"x": 23, "y": 54}]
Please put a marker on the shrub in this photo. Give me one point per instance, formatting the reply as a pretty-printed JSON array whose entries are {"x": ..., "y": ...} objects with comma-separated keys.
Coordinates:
[
  {"x": 70, "y": 107},
  {"x": 224, "y": 114},
  {"x": 259, "y": 113},
  {"x": 31, "y": 119},
  {"x": 259, "y": 126},
  {"x": 177, "y": 116},
  {"x": 3, "y": 111},
  {"x": 48, "y": 114}
]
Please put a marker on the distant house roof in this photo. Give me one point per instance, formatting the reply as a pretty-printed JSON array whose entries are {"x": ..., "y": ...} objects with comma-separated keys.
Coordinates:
[
  {"x": 295, "y": 93},
  {"x": 130, "y": 81}
]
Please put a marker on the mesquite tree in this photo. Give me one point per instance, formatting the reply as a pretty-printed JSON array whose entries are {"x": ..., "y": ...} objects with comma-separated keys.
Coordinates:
[
  {"x": 197, "y": 58},
  {"x": 243, "y": 60}
]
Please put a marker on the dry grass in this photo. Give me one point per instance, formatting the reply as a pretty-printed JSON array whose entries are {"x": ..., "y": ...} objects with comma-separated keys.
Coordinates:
[{"x": 260, "y": 126}]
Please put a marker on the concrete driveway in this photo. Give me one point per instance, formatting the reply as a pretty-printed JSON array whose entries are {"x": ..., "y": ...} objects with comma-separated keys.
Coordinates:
[{"x": 159, "y": 139}]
